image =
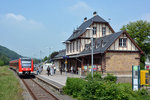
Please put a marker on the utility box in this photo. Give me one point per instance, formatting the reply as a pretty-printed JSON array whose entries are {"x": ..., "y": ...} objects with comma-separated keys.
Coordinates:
[{"x": 144, "y": 77}]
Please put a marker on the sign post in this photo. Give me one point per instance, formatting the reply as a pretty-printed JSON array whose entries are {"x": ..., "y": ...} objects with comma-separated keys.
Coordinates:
[
  {"x": 65, "y": 57},
  {"x": 135, "y": 77}
]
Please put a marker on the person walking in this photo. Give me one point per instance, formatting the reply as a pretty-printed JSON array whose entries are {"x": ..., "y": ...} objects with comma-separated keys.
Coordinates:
[{"x": 48, "y": 70}]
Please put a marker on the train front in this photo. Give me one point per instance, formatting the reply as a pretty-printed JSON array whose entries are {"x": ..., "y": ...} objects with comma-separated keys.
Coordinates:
[{"x": 26, "y": 66}]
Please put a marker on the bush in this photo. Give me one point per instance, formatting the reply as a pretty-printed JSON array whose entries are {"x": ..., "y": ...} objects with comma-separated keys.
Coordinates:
[
  {"x": 74, "y": 86},
  {"x": 100, "y": 90},
  {"x": 96, "y": 75},
  {"x": 1, "y": 63},
  {"x": 89, "y": 90},
  {"x": 143, "y": 92},
  {"x": 110, "y": 77}
]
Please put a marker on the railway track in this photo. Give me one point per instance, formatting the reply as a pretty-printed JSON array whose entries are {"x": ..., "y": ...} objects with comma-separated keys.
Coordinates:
[{"x": 37, "y": 91}]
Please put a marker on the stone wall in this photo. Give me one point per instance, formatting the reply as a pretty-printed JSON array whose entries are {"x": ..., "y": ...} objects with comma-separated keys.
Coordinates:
[
  {"x": 124, "y": 79},
  {"x": 121, "y": 62}
]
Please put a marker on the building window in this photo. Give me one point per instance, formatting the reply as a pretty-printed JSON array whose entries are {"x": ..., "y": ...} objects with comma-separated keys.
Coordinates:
[
  {"x": 70, "y": 47},
  {"x": 77, "y": 46},
  {"x": 73, "y": 46},
  {"x": 94, "y": 30},
  {"x": 103, "y": 31},
  {"x": 122, "y": 42},
  {"x": 67, "y": 48}
]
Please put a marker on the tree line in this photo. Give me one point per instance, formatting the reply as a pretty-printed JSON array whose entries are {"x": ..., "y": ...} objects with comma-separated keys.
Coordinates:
[{"x": 4, "y": 60}]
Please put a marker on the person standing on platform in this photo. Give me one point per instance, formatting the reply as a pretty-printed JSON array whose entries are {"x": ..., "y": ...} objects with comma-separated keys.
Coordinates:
[
  {"x": 37, "y": 70},
  {"x": 54, "y": 69},
  {"x": 48, "y": 70},
  {"x": 71, "y": 69},
  {"x": 41, "y": 69},
  {"x": 60, "y": 70}
]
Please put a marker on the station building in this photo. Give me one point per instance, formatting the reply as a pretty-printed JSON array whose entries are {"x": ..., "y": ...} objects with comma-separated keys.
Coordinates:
[{"x": 113, "y": 52}]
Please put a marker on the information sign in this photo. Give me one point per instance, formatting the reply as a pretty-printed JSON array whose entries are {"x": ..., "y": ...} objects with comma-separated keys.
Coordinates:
[{"x": 135, "y": 77}]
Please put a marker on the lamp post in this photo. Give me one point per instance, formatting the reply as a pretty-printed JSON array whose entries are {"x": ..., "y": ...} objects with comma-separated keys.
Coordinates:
[{"x": 88, "y": 28}]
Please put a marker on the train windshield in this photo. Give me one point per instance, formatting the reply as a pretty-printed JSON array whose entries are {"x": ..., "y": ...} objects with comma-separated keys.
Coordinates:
[{"x": 26, "y": 63}]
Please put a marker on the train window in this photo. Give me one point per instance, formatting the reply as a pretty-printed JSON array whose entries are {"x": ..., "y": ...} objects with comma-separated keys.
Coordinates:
[{"x": 26, "y": 63}]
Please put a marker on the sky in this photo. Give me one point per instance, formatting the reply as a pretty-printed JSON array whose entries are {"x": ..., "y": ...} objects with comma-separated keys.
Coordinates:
[{"x": 29, "y": 27}]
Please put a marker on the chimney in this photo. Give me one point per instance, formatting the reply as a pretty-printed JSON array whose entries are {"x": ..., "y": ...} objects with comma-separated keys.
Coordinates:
[
  {"x": 94, "y": 13},
  {"x": 85, "y": 19}
]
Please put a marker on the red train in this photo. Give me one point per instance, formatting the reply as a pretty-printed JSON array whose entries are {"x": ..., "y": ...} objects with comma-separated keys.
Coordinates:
[{"x": 23, "y": 66}]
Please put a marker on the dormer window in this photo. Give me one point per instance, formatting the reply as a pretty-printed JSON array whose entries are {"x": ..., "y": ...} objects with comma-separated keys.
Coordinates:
[
  {"x": 103, "y": 44},
  {"x": 122, "y": 42},
  {"x": 103, "y": 31},
  {"x": 86, "y": 47},
  {"x": 94, "y": 30}
]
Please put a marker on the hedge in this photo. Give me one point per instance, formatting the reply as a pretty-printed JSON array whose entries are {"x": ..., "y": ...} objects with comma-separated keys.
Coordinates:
[{"x": 101, "y": 89}]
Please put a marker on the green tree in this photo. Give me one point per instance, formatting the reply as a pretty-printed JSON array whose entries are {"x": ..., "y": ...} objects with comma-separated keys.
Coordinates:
[
  {"x": 140, "y": 33},
  {"x": 45, "y": 58},
  {"x": 53, "y": 54},
  {"x": 4, "y": 59},
  {"x": 36, "y": 61},
  {"x": 1, "y": 62}
]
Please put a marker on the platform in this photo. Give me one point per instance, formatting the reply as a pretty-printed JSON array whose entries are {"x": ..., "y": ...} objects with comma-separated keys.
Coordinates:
[{"x": 57, "y": 80}]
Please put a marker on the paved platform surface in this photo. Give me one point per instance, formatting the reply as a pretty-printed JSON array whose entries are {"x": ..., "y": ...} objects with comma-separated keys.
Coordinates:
[
  {"x": 61, "y": 79},
  {"x": 58, "y": 78}
]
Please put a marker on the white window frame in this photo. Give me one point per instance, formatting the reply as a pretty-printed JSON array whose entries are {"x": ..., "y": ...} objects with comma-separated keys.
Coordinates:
[
  {"x": 123, "y": 43},
  {"x": 103, "y": 31},
  {"x": 94, "y": 30}
]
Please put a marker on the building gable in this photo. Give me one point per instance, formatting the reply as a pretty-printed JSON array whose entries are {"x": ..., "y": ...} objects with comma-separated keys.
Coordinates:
[
  {"x": 124, "y": 43},
  {"x": 82, "y": 28}
]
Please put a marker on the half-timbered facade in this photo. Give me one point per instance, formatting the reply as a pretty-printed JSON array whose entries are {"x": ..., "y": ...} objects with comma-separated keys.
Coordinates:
[{"x": 114, "y": 52}]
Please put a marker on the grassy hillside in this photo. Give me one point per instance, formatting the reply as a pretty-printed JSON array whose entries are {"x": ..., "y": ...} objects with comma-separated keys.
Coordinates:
[
  {"x": 9, "y": 53},
  {"x": 6, "y": 55}
]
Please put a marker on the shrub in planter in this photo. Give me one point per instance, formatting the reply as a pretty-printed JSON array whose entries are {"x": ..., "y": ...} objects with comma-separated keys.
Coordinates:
[{"x": 110, "y": 77}]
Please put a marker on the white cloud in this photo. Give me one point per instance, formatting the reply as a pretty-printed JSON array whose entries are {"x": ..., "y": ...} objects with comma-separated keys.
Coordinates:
[
  {"x": 80, "y": 8},
  {"x": 81, "y": 5},
  {"x": 16, "y": 17},
  {"x": 146, "y": 17},
  {"x": 19, "y": 22}
]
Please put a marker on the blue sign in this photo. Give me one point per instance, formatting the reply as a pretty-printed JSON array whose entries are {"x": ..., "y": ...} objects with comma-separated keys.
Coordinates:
[{"x": 65, "y": 57}]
